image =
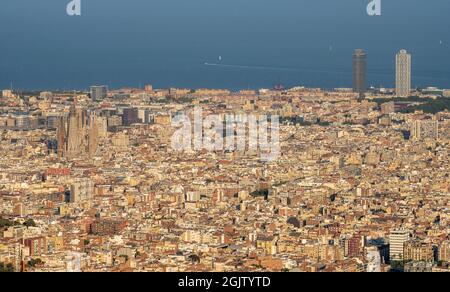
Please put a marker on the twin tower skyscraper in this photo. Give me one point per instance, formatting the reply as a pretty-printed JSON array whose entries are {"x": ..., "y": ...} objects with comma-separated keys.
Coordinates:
[{"x": 402, "y": 75}]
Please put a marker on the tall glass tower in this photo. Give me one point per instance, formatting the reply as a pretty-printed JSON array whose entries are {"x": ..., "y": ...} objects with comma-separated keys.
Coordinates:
[{"x": 359, "y": 72}]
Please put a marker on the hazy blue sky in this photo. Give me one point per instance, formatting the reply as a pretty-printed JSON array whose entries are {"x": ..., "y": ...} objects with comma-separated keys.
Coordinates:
[{"x": 166, "y": 42}]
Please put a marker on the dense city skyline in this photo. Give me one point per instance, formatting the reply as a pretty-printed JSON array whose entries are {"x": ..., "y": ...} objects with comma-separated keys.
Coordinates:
[{"x": 224, "y": 136}]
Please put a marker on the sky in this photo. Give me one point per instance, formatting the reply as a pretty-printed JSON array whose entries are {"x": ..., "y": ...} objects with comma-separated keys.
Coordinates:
[{"x": 262, "y": 42}]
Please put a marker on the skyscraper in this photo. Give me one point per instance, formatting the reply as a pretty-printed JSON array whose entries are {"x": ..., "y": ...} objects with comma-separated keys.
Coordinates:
[
  {"x": 359, "y": 72},
  {"x": 403, "y": 74},
  {"x": 99, "y": 92},
  {"x": 397, "y": 239},
  {"x": 82, "y": 189}
]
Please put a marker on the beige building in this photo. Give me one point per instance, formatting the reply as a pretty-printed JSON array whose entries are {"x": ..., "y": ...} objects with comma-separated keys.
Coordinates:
[
  {"x": 403, "y": 74},
  {"x": 415, "y": 250},
  {"x": 444, "y": 251}
]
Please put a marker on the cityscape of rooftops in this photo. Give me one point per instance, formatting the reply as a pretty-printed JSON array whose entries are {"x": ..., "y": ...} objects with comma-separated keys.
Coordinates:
[{"x": 209, "y": 146}]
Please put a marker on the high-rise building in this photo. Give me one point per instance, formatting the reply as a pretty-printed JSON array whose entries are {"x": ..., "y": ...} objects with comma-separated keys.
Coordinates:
[
  {"x": 23, "y": 122},
  {"x": 17, "y": 250},
  {"x": 425, "y": 129},
  {"x": 354, "y": 246},
  {"x": 397, "y": 239},
  {"x": 37, "y": 245},
  {"x": 359, "y": 72},
  {"x": 130, "y": 116},
  {"x": 53, "y": 121},
  {"x": 403, "y": 74},
  {"x": 99, "y": 92},
  {"x": 81, "y": 190}
]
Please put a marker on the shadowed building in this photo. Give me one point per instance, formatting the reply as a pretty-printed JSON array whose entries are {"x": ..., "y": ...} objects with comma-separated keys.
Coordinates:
[{"x": 130, "y": 116}]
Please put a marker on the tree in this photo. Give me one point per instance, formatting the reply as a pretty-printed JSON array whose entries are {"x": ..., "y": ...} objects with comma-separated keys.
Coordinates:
[
  {"x": 34, "y": 262},
  {"x": 6, "y": 268},
  {"x": 194, "y": 258},
  {"x": 5, "y": 223},
  {"x": 261, "y": 193},
  {"x": 29, "y": 223},
  {"x": 294, "y": 221},
  {"x": 397, "y": 266}
]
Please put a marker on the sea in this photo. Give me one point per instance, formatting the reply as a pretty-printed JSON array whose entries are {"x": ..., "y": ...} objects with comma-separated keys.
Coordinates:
[{"x": 233, "y": 44}]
